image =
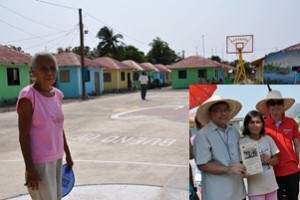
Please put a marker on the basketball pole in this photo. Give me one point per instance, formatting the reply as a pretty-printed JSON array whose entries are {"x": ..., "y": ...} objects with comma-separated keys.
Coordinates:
[{"x": 240, "y": 70}]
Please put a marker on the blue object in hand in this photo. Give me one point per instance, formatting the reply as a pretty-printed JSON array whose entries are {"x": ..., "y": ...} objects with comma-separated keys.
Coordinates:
[{"x": 68, "y": 180}]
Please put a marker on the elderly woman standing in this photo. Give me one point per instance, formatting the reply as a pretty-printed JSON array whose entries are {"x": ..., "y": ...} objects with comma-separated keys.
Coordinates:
[{"x": 41, "y": 134}]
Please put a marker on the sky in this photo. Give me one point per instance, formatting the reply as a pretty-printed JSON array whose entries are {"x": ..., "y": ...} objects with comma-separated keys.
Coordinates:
[
  {"x": 249, "y": 95},
  {"x": 196, "y": 27}
]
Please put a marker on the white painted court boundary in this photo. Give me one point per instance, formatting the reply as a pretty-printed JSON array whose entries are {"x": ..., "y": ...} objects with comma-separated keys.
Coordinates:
[
  {"x": 119, "y": 115},
  {"x": 121, "y": 191},
  {"x": 115, "y": 162}
]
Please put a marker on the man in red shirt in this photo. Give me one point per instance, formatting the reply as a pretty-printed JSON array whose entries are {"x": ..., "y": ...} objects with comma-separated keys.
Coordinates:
[{"x": 285, "y": 133}]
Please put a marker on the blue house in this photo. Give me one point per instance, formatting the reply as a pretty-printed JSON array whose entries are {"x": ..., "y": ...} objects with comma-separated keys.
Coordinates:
[
  {"x": 70, "y": 73},
  {"x": 149, "y": 69},
  {"x": 161, "y": 74},
  {"x": 282, "y": 67}
]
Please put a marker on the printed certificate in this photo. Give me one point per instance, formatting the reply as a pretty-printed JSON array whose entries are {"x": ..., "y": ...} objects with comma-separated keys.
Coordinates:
[{"x": 251, "y": 157}]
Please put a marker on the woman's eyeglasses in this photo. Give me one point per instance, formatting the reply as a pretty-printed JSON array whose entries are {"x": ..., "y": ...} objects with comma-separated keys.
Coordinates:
[
  {"x": 275, "y": 103},
  {"x": 220, "y": 110}
]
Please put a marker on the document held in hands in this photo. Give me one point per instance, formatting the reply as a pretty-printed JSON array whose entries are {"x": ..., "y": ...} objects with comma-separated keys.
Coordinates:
[{"x": 251, "y": 157}]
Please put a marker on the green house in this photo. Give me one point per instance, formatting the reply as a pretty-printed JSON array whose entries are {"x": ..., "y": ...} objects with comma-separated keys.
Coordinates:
[
  {"x": 14, "y": 73},
  {"x": 197, "y": 70}
]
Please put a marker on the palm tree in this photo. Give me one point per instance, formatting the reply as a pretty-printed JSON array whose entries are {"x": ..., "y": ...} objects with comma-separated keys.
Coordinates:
[{"x": 109, "y": 43}]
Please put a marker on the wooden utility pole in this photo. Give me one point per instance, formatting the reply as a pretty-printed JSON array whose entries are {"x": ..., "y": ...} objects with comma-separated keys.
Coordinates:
[{"x": 82, "y": 53}]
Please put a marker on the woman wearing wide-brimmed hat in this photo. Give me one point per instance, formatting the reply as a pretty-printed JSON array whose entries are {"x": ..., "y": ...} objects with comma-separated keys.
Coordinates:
[
  {"x": 284, "y": 131},
  {"x": 216, "y": 150}
]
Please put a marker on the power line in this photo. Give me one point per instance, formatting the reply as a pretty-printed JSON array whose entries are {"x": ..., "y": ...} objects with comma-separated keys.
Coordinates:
[
  {"x": 68, "y": 7},
  {"x": 46, "y": 2},
  {"x": 32, "y": 38},
  {"x": 21, "y": 29},
  {"x": 32, "y": 20},
  {"x": 115, "y": 29},
  {"x": 65, "y": 39},
  {"x": 58, "y": 5},
  {"x": 51, "y": 42},
  {"x": 62, "y": 6}
]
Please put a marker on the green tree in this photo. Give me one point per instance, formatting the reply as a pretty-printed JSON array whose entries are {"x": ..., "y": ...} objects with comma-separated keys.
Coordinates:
[
  {"x": 109, "y": 43},
  {"x": 132, "y": 53},
  {"x": 216, "y": 58},
  {"x": 161, "y": 53},
  {"x": 61, "y": 50},
  {"x": 15, "y": 48},
  {"x": 77, "y": 50}
]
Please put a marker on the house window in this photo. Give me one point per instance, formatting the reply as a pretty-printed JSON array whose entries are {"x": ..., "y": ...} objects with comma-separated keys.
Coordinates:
[
  {"x": 13, "y": 77},
  {"x": 136, "y": 76},
  {"x": 64, "y": 76},
  {"x": 182, "y": 74},
  {"x": 202, "y": 73},
  {"x": 122, "y": 76},
  {"x": 86, "y": 74},
  {"x": 107, "y": 77}
]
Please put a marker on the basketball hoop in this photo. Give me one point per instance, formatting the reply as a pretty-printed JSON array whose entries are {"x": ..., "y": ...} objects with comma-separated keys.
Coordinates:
[
  {"x": 237, "y": 45},
  {"x": 243, "y": 43}
]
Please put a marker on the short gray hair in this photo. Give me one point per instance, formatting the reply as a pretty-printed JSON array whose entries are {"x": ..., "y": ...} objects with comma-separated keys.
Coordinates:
[{"x": 42, "y": 55}]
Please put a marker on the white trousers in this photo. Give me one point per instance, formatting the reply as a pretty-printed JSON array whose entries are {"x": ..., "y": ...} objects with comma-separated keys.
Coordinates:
[{"x": 50, "y": 185}]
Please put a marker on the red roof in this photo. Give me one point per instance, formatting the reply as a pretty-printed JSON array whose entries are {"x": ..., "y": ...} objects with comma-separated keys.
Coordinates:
[
  {"x": 194, "y": 62},
  {"x": 148, "y": 67},
  {"x": 225, "y": 66},
  {"x": 162, "y": 68},
  {"x": 294, "y": 47},
  {"x": 8, "y": 55},
  {"x": 72, "y": 59},
  {"x": 111, "y": 63},
  {"x": 133, "y": 64}
]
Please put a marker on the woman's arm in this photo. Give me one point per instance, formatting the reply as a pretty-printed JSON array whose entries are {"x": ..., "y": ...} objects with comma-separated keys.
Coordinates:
[
  {"x": 24, "y": 122},
  {"x": 273, "y": 160},
  {"x": 69, "y": 159},
  {"x": 214, "y": 168}
]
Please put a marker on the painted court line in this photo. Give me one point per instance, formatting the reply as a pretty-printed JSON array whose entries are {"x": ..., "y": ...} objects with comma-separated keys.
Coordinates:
[
  {"x": 118, "y": 115},
  {"x": 116, "y": 162}
]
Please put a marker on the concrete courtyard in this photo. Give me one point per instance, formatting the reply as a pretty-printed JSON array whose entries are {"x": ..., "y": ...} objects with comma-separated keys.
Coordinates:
[{"x": 123, "y": 147}]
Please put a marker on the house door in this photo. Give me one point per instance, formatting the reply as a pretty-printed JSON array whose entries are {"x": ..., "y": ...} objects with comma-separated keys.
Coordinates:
[
  {"x": 129, "y": 81},
  {"x": 97, "y": 86}
]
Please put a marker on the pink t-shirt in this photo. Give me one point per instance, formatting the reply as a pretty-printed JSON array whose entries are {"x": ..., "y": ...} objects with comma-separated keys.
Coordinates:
[{"x": 46, "y": 133}]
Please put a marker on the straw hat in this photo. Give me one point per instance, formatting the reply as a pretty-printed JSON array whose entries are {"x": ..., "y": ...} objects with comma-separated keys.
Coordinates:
[
  {"x": 202, "y": 112},
  {"x": 261, "y": 106}
]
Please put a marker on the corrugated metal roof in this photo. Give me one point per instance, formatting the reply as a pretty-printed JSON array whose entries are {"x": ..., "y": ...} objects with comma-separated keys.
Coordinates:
[
  {"x": 133, "y": 64},
  {"x": 72, "y": 59},
  {"x": 148, "y": 67},
  {"x": 294, "y": 47},
  {"x": 162, "y": 68},
  {"x": 112, "y": 63},
  {"x": 8, "y": 55},
  {"x": 194, "y": 62},
  {"x": 224, "y": 66}
]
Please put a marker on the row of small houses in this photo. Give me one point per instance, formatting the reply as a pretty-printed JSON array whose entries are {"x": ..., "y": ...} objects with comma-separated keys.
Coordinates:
[{"x": 106, "y": 74}]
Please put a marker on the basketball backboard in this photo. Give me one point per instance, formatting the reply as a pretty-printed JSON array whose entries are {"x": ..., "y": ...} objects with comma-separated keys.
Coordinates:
[{"x": 243, "y": 43}]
